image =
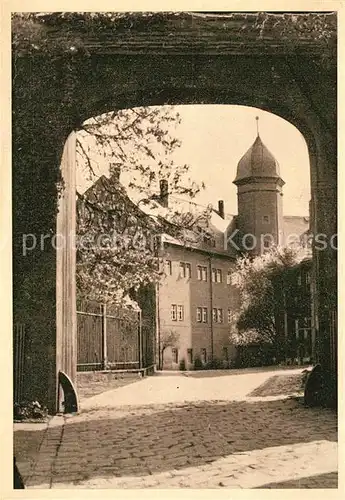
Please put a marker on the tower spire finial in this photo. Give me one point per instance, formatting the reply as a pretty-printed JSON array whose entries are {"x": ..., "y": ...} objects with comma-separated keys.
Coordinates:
[{"x": 257, "y": 125}]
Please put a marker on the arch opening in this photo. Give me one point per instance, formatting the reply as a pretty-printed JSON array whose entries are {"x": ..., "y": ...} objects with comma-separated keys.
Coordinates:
[{"x": 204, "y": 128}]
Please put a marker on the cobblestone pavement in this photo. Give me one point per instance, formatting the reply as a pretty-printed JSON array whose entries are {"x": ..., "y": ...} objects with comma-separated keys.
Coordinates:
[{"x": 127, "y": 439}]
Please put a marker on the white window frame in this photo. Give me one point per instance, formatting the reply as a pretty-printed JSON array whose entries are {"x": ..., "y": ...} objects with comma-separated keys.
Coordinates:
[
  {"x": 173, "y": 312},
  {"x": 168, "y": 267},
  {"x": 188, "y": 271},
  {"x": 204, "y": 314},
  {"x": 180, "y": 312},
  {"x": 267, "y": 243},
  {"x": 199, "y": 314},
  {"x": 217, "y": 275},
  {"x": 185, "y": 270},
  {"x": 220, "y": 315},
  {"x": 199, "y": 273},
  {"x": 204, "y": 273}
]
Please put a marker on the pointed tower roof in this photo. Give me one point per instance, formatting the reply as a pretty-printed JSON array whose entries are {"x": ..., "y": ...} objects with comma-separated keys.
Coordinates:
[{"x": 258, "y": 161}]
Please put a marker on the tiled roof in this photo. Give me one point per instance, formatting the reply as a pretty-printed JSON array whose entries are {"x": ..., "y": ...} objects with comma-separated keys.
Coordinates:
[{"x": 258, "y": 161}]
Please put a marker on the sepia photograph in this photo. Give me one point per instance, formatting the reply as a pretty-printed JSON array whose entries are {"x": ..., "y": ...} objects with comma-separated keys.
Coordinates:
[{"x": 174, "y": 249}]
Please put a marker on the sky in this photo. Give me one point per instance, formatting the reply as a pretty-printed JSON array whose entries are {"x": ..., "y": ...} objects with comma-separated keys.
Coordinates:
[{"x": 215, "y": 137}]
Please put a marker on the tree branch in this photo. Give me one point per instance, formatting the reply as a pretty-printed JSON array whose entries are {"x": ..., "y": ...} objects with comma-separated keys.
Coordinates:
[{"x": 86, "y": 156}]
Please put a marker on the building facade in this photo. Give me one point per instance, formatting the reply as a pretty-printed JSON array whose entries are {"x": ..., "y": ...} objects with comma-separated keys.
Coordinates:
[
  {"x": 197, "y": 297},
  {"x": 196, "y": 300}
]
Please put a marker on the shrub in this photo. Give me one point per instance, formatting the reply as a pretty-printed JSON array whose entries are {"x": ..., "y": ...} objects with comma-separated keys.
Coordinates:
[
  {"x": 255, "y": 356},
  {"x": 182, "y": 365},
  {"x": 29, "y": 411},
  {"x": 198, "y": 364},
  {"x": 226, "y": 363},
  {"x": 214, "y": 364}
]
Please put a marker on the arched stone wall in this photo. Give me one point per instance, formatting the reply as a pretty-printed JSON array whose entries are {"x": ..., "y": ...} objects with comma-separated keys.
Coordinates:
[{"x": 180, "y": 62}]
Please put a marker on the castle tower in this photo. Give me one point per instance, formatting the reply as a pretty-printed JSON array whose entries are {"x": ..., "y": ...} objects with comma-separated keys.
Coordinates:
[{"x": 259, "y": 194}]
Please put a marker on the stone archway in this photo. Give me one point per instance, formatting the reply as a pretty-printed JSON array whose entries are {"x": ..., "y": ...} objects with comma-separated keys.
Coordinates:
[{"x": 152, "y": 60}]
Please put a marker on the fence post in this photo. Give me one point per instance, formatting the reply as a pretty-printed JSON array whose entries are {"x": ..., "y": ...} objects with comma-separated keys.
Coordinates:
[
  {"x": 140, "y": 340},
  {"x": 104, "y": 337}
]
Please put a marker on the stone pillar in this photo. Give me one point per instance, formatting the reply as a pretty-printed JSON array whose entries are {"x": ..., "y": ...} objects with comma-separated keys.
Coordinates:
[
  {"x": 325, "y": 259},
  {"x": 66, "y": 316}
]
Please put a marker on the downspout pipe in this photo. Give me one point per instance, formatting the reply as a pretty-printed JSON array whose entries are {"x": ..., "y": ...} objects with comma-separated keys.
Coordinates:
[
  {"x": 158, "y": 330},
  {"x": 211, "y": 305}
]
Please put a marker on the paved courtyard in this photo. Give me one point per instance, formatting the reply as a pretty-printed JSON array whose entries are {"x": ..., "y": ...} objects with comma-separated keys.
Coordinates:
[{"x": 209, "y": 430}]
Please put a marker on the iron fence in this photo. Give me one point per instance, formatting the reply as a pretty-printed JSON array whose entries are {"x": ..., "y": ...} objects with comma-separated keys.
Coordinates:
[
  {"x": 19, "y": 338},
  {"x": 108, "y": 337}
]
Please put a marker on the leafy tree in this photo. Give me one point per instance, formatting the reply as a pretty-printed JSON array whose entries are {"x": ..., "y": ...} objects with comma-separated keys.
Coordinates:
[
  {"x": 122, "y": 217},
  {"x": 263, "y": 282}
]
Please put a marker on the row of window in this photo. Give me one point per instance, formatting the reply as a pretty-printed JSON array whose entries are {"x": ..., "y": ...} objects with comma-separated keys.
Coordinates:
[
  {"x": 217, "y": 276},
  {"x": 185, "y": 270},
  {"x": 177, "y": 314},
  {"x": 190, "y": 355},
  {"x": 202, "y": 272},
  {"x": 217, "y": 315}
]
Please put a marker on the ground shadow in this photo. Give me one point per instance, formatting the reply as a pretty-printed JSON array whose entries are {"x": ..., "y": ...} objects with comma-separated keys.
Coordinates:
[
  {"x": 319, "y": 481},
  {"x": 93, "y": 386},
  {"x": 236, "y": 371},
  {"x": 278, "y": 385},
  {"x": 150, "y": 440},
  {"x": 26, "y": 444}
]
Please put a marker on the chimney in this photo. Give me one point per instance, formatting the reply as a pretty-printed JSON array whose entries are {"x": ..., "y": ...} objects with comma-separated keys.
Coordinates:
[
  {"x": 115, "y": 172},
  {"x": 221, "y": 208},
  {"x": 164, "y": 193}
]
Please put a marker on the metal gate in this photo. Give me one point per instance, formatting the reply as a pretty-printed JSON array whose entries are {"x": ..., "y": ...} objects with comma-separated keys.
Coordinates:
[
  {"x": 108, "y": 337},
  {"x": 19, "y": 334}
]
